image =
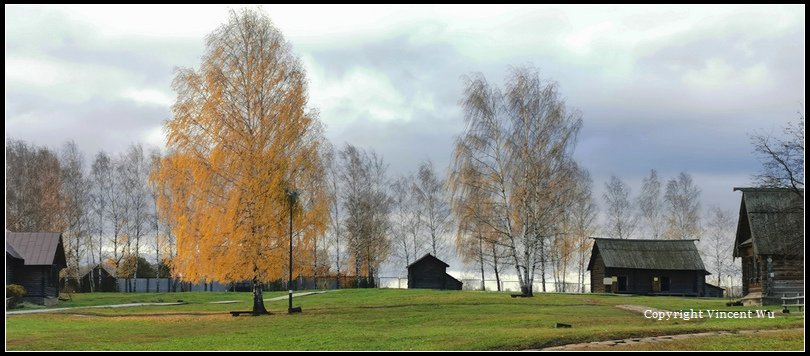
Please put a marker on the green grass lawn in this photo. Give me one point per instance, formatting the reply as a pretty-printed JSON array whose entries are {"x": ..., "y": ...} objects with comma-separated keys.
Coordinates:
[{"x": 369, "y": 319}]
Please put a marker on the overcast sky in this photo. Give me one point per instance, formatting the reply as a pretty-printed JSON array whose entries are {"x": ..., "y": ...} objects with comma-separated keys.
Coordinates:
[{"x": 675, "y": 88}]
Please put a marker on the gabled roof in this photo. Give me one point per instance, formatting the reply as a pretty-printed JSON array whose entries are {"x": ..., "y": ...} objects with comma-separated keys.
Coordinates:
[
  {"x": 648, "y": 254},
  {"x": 426, "y": 258},
  {"x": 773, "y": 218},
  {"x": 37, "y": 248},
  {"x": 86, "y": 269}
]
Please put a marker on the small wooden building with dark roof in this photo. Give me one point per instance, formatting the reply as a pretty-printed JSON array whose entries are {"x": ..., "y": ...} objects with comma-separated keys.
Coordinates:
[
  {"x": 429, "y": 272},
  {"x": 91, "y": 276},
  {"x": 661, "y": 267},
  {"x": 770, "y": 243},
  {"x": 36, "y": 260}
]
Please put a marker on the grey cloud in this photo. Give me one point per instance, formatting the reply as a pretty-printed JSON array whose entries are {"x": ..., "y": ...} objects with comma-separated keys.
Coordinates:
[{"x": 98, "y": 124}]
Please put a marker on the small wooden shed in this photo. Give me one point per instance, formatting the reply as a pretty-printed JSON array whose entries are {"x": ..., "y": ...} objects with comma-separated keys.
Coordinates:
[
  {"x": 770, "y": 243},
  {"x": 429, "y": 272},
  {"x": 91, "y": 276},
  {"x": 36, "y": 260},
  {"x": 656, "y": 267}
]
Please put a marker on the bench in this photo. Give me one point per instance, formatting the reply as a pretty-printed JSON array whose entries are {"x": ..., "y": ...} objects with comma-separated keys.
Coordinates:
[
  {"x": 236, "y": 313},
  {"x": 794, "y": 301}
]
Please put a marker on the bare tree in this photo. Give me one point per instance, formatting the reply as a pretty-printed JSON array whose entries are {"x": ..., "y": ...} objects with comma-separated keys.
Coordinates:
[
  {"x": 434, "y": 209},
  {"x": 562, "y": 251},
  {"x": 75, "y": 190},
  {"x": 406, "y": 237},
  {"x": 474, "y": 239},
  {"x": 135, "y": 170},
  {"x": 782, "y": 158},
  {"x": 334, "y": 182},
  {"x": 621, "y": 221},
  {"x": 683, "y": 208},
  {"x": 117, "y": 208},
  {"x": 516, "y": 148},
  {"x": 367, "y": 205},
  {"x": 583, "y": 214},
  {"x": 34, "y": 200},
  {"x": 717, "y": 242},
  {"x": 100, "y": 174},
  {"x": 153, "y": 191},
  {"x": 650, "y": 206}
]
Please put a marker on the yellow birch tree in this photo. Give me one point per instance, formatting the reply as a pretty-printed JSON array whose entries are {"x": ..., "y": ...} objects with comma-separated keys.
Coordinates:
[{"x": 240, "y": 138}]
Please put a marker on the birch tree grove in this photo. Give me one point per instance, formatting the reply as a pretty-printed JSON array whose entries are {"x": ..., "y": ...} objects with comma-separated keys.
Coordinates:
[
  {"x": 718, "y": 242},
  {"x": 406, "y": 236},
  {"x": 335, "y": 228},
  {"x": 683, "y": 208},
  {"x": 33, "y": 195},
  {"x": 76, "y": 193},
  {"x": 239, "y": 139},
  {"x": 367, "y": 207},
  {"x": 516, "y": 150},
  {"x": 583, "y": 213},
  {"x": 134, "y": 170},
  {"x": 434, "y": 210},
  {"x": 650, "y": 206},
  {"x": 621, "y": 219}
]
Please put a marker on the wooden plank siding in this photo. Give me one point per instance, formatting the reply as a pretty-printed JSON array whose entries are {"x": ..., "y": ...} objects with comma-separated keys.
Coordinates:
[
  {"x": 640, "y": 281},
  {"x": 38, "y": 281},
  {"x": 429, "y": 272},
  {"x": 427, "y": 275},
  {"x": 598, "y": 275}
]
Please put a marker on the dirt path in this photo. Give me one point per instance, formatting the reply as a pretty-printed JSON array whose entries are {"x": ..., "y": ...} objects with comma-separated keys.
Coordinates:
[
  {"x": 605, "y": 345},
  {"x": 54, "y": 310},
  {"x": 638, "y": 308}
]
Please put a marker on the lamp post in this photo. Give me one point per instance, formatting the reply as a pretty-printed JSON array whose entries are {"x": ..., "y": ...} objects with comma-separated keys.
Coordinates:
[{"x": 292, "y": 195}]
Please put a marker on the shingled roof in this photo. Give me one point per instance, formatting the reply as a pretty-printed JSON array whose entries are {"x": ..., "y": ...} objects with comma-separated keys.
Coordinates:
[
  {"x": 648, "y": 254},
  {"x": 773, "y": 219},
  {"x": 37, "y": 248}
]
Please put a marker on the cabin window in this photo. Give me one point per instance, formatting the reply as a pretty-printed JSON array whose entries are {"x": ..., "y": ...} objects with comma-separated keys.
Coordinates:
[
  {"x": 622, "y": 283},
  {"x": 664, "y": 284}
]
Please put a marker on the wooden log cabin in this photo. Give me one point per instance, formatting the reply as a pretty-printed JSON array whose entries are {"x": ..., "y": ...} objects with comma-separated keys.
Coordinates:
[
  {"x": 770, "y": 244},
  {"x": 652, "y": 267},
  {"x": 429, "y": 272},
  {"x": 34, "y": 260}
]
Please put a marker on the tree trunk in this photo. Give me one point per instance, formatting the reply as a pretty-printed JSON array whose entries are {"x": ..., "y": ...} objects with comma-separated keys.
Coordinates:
[
  {"x": 543, "y": 263},
  {"x": 495, "y": 266},
  {"x": 258, "y": 301},
  {"x": 483, "y": 280},
  {"x": 498, "y": 278},
  {"x": 527, "y": 284}
]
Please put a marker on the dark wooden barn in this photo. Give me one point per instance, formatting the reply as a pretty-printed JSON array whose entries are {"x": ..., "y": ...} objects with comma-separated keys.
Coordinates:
[
  {"x": 90, "y": 280},
  {"x": 429, "y": 272},
  {"x": 37, "y": 259},
  {"x": 654, "y": 267},
  {"x": 770, "y": 243}
]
